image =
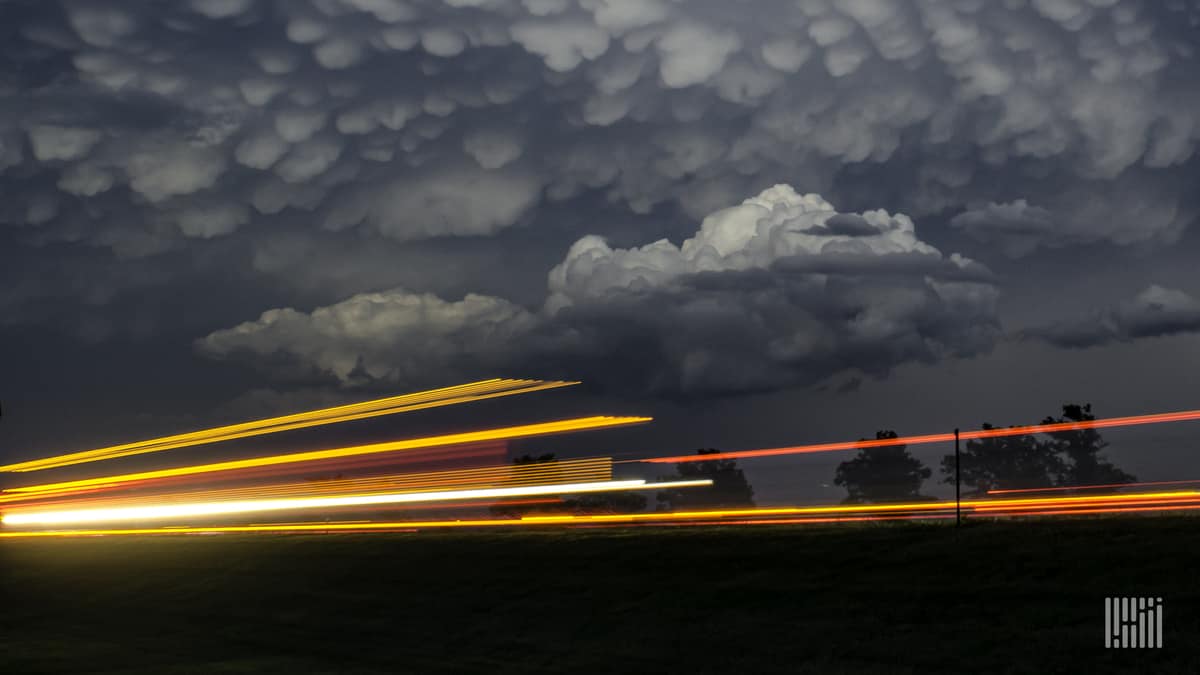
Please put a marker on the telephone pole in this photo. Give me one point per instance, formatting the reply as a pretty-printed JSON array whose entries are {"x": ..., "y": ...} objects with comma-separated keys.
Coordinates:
[{"x": 957, "y": 483}]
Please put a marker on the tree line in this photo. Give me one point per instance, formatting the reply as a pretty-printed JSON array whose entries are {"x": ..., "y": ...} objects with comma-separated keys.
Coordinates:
[
  {"x": 882, "y": 474},
  {"x": 1061, "y": 459}
]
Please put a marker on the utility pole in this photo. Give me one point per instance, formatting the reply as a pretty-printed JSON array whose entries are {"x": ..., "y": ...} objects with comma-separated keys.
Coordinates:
[{"x": 957, "y": 483}]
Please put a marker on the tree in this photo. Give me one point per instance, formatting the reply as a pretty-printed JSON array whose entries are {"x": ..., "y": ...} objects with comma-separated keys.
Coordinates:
[
  {"x": 729, "y": 488},
  {"x": 1080, "y": 450},
  {"x": 1006, "y": 462},
  {"x": 1065, "y": 459},
  {"x": 885, "y": 474}
]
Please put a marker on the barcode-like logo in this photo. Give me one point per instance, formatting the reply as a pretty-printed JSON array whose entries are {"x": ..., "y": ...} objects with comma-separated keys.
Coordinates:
[{"x": 1133, "y": 622}]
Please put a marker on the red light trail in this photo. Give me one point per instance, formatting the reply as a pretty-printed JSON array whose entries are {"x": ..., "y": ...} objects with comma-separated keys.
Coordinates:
[
  {"x": 138, "y": 501},
  {"x": 1184, "y": 416}
]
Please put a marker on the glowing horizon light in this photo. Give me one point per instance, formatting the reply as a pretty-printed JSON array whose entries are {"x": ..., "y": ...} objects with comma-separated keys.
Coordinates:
[
  {"x": 1104, "y": 423},
  {"x": 502, "y": 433},
  {"x": 166, "y": 511},
  {"x": 422, "y": 400}
]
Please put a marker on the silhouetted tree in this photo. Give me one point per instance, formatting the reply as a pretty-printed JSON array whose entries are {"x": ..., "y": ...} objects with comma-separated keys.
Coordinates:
[
  {"x": 1005, "y": 462},
  {"x": 885, "y": 474},
  {"x": 729, "y": 488},
  {"x": 1065, "y": 458},
  {"x": 1080, "y": 450}
]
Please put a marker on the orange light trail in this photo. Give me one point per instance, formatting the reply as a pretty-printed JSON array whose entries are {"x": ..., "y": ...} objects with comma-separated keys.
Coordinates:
[
  {"x": 695, "y": 518},
  {"x": 1093, "y": 487},
  {"x": 465, "y": 393},
  {"x": 1184, "y": 416},
  {"x": 521, "y": 431},
  {"x": 510, "y": 475},
  {"x": 987, "y": 506},
  {"x": 1098, "y": 511}
]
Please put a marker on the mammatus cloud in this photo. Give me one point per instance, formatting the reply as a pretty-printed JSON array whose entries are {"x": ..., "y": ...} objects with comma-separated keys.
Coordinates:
[
  {"x": 779, "y": 290},
  {"x": 405, "y": 117},
  {"x": 1154, "y": 312}
]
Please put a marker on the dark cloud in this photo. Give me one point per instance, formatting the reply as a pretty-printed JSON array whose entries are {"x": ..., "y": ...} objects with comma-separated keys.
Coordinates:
[
  {"x": 1017, "y": 227},
  {"x": 1154, "y": 312},
  {"x": 423, "y": 119}
]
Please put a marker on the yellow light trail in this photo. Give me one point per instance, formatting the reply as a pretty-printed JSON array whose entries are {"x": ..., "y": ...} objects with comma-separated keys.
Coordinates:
[
  {"x": 503, "y": 433},
  {"x": 464, "y": 393},
  {"x": 510, "y": 475},
  {"x": 667, "y": 519},
  {"x": 167, "y": 511}
]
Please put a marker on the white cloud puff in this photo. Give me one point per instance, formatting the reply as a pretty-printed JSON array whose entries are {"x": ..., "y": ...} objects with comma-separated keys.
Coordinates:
[{"x": 390, "y": 336}]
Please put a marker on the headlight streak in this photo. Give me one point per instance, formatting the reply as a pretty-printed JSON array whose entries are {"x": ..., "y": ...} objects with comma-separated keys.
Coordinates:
[
  {"x": 466, "y": 393},
  {"x": 1184, "y": 416},
  {"x": 167, "y": 511},
  {"x": 143, "y": 497},
  {"x": 1178, "y": 500},
  {"x": 522, "y": 431},
  {"x": 698, "y": 519}
]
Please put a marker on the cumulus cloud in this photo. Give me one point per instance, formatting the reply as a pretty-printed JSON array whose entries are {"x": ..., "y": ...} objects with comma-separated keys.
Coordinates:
[
  {"x": 349, "y": 340},
  {"x": 1156, "y": 311},
  {"x": 766, "y": 294}
]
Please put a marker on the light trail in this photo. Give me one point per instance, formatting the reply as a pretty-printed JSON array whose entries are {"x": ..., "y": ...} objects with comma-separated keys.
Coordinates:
[
  {"x": 1088, "y": 499},
  {"x": 167, "y": 511},
  {"x": 508, "y": 475},
  {"x": 466, "y": 393},
  {"x": 1096, "y": 511},
  {"x": 505, "y": 433},
  {"x": 221, "y": 508},
  {"x": 413, "y": 525},
  {"x": 1184, "y": 416},
  {"x": 1104, "y": 486}
]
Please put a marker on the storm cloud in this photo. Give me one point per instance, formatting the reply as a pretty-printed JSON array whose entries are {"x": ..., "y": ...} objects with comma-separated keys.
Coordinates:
[
  {"x": 1154, "y": 312},
  {"x": 744, "y": 304},
  {"x": 425, "y": 119},
  {"x": 387, "y": 191}
]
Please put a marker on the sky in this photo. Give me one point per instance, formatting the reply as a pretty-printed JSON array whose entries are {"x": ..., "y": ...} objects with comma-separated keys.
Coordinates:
[{"x": 763, "y": 222}]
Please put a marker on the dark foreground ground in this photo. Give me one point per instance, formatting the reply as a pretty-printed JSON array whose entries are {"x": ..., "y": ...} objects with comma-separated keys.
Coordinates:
[{"x": 999, "y": 597}]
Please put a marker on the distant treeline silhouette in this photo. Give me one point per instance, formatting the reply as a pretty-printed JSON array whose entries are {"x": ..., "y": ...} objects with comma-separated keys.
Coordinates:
[
  {"x": 878, "y": 475},
  {"x": 1063, "y": 459}
]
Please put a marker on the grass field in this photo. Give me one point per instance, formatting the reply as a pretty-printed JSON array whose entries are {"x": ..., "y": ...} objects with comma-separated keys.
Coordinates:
[{"x": 1022, "y": 597}]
